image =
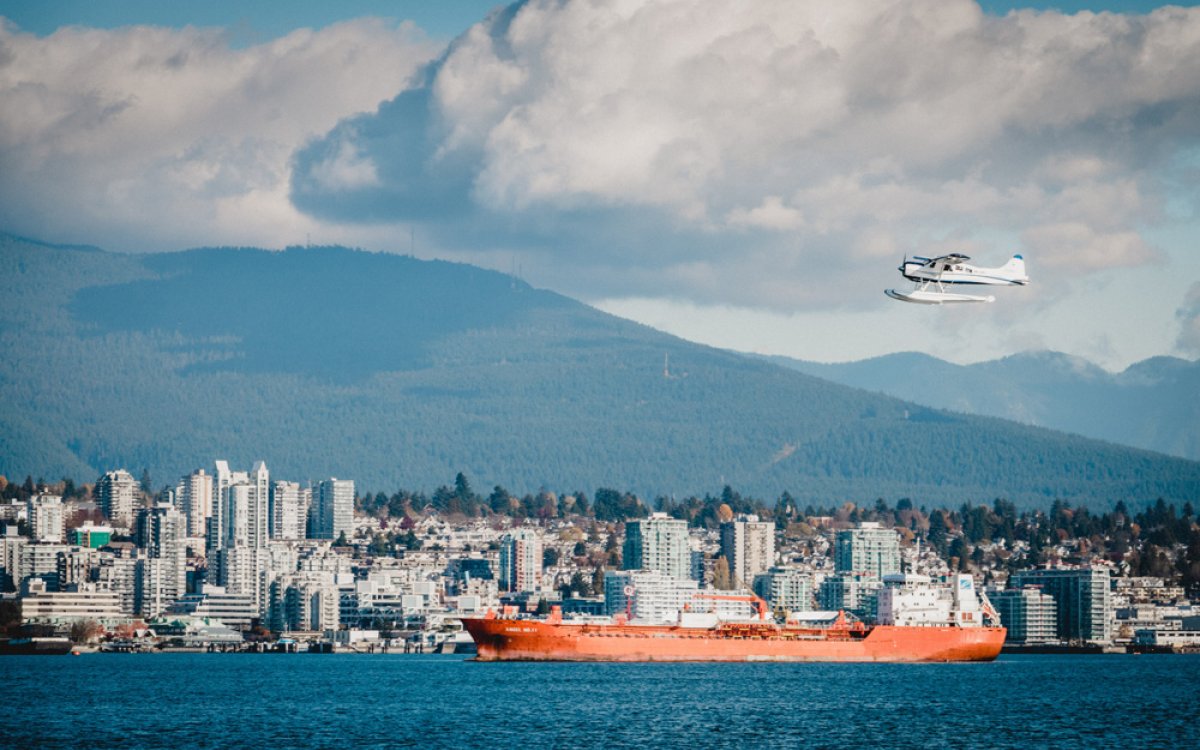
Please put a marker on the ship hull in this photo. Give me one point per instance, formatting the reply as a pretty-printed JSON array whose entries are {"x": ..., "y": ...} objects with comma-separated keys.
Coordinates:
[{"x": 534, "y": 640}]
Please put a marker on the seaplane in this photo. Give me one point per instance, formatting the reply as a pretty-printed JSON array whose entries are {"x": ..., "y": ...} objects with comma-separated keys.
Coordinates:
[{"x": 933, "y": 276}]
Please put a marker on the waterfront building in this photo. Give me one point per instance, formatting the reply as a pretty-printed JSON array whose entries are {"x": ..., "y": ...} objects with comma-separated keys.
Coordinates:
[
  {"x": 310, "y": 601},
  {"x": 116, "y": 492},
  {"x": 333, "y": 508},
  {"x": 234, "y": 610},
  {"x": 867, "y": 550},
  {"x": 81, "y": 602},
  {"x": 289, "y": 510},
  {"x": 1082, "y": 600},
  {"x": 1167, "y": 638},
  {"x": 45, "y": 517},
  {"x": 749, "y": 546},
  {"x": 521, "y": 561},
  {"x": 658, "y": 543},
  {"x": 1028, "y": 613},
  {"x": 195, "y": 499},
  {"x": 647, "y": 595},
  {"x": 789, "y": 589}
]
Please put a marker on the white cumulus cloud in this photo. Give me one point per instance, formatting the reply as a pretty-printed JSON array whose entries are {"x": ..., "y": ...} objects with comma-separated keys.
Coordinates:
[
  {"x": 733, "y": 152},
  {"x": 153, "y": 138}
]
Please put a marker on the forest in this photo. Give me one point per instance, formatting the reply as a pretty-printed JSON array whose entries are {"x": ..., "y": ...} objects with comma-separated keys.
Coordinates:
[{"x": 396, "y": 372}]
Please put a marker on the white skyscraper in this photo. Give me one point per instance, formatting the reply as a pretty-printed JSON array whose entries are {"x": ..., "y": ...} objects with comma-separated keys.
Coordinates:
[
  {"x": 867, "y": 550},
  {"x": 236, "y": 515},
  {"x": 116, "y": 493},
  {"x": 658, "y": 543},
  {"x": 222, "y": 478},
  {"x": 521, "y": 561},
  {"x": 45, "y": 514},
  {"x": 749, "y": 546},
  {"x": 260, "y": 505},
  {"x": 195, "y": 498},
  {"x": 333, "y": 508},
  {"x": 162, "y": 534},
  {"x": 289, "y": 510}
]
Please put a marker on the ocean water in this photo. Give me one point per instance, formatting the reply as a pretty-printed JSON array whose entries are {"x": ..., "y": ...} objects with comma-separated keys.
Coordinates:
[{"x": 393, "y": 701}]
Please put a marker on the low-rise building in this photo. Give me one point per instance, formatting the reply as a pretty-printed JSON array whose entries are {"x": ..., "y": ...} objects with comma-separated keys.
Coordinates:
[{"x": 79, "y": 602}]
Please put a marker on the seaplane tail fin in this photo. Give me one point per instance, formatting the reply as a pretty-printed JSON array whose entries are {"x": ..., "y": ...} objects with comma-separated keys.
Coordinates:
[{"x": 1015, "y": 267}]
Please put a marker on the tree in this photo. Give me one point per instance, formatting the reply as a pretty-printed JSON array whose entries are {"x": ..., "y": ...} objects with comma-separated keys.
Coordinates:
[
  {"x": 721, "y": 576},
  {"x": 938, "y": 531},
  {"x": 85, "y": 631},
  {"x": 549, "y": 557},
  {"x": 341, "y": 540},
  {"x": 462, "y": 488}
]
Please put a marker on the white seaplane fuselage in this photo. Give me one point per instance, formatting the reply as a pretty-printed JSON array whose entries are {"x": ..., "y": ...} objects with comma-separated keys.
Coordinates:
[
  {"x": 954, "y": 271},
  {"x": 935, "y": 277}
]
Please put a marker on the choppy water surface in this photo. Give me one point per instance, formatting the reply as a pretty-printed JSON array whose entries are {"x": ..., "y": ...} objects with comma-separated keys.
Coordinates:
[{"x": 385, "y": 701}]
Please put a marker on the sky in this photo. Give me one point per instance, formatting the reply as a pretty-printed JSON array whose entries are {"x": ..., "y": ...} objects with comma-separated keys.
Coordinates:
[{"x": 745, "y": 175}]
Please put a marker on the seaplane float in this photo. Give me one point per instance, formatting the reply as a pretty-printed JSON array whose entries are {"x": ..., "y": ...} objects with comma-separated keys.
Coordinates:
[{"x": 934, "y": 278}]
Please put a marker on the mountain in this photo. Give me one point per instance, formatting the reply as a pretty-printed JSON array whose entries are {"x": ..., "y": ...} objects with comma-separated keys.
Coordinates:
[
  {"x": 1154, "y": 404},
  {"x": 398, "y": 372}
]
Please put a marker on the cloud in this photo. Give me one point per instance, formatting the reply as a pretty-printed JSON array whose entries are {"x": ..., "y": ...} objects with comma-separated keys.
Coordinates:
[
  {"x": 151, "y": 138},
  {"x": 1189, "y": 322},
  {"x": 736, "y": 154}
]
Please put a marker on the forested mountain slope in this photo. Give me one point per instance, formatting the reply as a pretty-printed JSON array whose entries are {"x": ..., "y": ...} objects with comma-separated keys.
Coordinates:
[{"x": 399, "y": 373}]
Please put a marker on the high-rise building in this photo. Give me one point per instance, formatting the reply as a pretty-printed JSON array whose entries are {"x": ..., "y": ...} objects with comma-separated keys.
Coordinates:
[
  {"x": 521, "y": 561},
  {"x": 289, "y": 510},
  {"x": 116, "y": 493},
  {"x": 222, "y": 478},
  {"x": 868, "y": 550},
  {"x": 1082, "y": 600},
  {"x": 45, "y": 514},
  {"x": 236, "y": 515},
  {"x": 242, "y": 572},
  {"x": 858, "y": 595},
  {"x": 194, "y": 494},
  {"x": 658, "y": 543},
  {"x": 259, "y": 509},
  {"x": 1028, "y": 614},
  {"x": 749, "y": 546},
  {"x": 785, "y": 588},
  {"x": 333, "y": 508},
  {"x": 162, "y": 535}
]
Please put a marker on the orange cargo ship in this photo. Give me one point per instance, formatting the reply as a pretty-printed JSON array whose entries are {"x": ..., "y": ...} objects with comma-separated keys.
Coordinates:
[
  {"x": 553, "y": 639},
  {"x": 927, "y": 636}
]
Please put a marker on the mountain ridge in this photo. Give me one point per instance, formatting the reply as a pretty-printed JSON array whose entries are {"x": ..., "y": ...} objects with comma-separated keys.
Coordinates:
[
  {"x": 1153, "y": 404},
  {"x": 400, "y": 372}
]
